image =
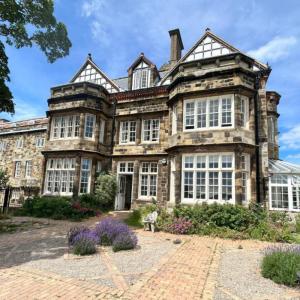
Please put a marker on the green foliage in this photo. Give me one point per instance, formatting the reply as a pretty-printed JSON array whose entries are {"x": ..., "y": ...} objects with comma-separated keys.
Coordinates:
[
  {"x": 4, "y": 178},
  {"x": 297, "y": 226},
  {"x": 22, "y": 24},
  {"x": 281, "y": 267},
  {"x": 105, "y": 191},
  {"x": 55, "y": 208},
  {"x": 84, "y": 247},
  {"x": 134, "y": 219},
  {"x": 231, "y": 216}
]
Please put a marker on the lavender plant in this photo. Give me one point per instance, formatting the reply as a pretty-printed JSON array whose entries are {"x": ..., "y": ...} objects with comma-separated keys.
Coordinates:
[
  {"x": 108, "y": 229},
  {"x": 125, "y": 241},
  {"x": 85, "y": 243}
]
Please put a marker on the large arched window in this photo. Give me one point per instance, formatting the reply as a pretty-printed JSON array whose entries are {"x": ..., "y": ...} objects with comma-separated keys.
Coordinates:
[{"x": 141, "y": 76}]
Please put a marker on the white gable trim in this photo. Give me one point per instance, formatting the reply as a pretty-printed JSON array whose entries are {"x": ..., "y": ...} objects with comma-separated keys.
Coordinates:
[{"x": 90, "y": 72}]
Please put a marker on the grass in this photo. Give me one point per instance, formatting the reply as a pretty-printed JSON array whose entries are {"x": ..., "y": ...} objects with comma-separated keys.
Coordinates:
[{"x": 134, "y": 219}]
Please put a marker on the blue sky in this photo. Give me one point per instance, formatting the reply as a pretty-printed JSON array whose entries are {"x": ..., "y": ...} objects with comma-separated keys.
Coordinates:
[{"x": 116, "y": 31}]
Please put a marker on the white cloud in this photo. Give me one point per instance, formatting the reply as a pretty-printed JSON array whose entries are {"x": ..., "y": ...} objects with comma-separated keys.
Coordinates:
[
  {"x": 275, "y": 49},
  {"x": 293, "y": 156},
  {"x": 91, "y": 7},
  {"x": 23, "y": 111},
  {"x": 291, "y": 138}
]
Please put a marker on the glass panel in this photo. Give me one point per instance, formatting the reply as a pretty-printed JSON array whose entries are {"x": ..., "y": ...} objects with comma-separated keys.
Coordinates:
[
  {"x": 189, "y": 115},
  {"x": 188, "y": 185},
  {"x": 213, "y": 184},
  {"x": 214, "y": 113},
  {"x": 200, "y": 185}
]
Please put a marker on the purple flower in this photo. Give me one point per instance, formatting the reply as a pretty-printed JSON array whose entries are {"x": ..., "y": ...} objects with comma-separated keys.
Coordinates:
[
  {"x": 295, "y": 249},
  {"x": 74, "y": 231},
  {"x": 108, "y": 229},
  {"x": 180, "y": 226},
  {"x": 125, "y": 241}
]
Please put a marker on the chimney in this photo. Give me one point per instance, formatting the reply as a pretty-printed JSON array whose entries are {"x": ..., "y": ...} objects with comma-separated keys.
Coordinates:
[{"x": 176, "y": 45}]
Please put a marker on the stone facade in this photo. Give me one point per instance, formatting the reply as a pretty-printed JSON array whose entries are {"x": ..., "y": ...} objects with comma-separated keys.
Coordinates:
[{"x": 143, "y": 129}]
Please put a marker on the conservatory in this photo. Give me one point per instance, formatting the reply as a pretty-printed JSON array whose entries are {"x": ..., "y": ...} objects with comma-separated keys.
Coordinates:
[{"x": 284, "y": 186}]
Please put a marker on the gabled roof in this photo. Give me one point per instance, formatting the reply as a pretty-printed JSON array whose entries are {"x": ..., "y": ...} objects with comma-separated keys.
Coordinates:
[
  {"x": 283, "y": 167},
  {"x": 209, "y": 45},
  {"x": 89, "y": 71},
  {"x": 141, "y": 58}
]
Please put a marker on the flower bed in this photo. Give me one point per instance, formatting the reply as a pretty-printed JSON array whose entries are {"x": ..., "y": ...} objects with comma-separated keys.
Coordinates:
[{"x": 109, "y": 232}]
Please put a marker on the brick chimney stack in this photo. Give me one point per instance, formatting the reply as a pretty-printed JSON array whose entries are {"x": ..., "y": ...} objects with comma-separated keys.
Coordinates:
[{"x": 176, "y": 45}]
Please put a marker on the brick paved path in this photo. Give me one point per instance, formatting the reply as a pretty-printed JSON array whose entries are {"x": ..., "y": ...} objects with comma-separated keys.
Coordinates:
[{"x": 180, "y": 274}]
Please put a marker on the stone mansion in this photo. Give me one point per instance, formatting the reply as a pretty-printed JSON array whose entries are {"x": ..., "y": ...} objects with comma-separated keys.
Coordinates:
[{"x": 202, "y": 127}]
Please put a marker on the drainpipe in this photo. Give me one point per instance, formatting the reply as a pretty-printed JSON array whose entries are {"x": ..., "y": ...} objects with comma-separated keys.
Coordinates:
[
  {"x": 113, "y": 129},
  {"x": 256, "y": 99}
]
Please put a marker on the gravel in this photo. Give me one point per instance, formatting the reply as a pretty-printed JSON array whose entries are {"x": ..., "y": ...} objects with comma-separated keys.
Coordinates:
[{"x": 239, "y": 278}]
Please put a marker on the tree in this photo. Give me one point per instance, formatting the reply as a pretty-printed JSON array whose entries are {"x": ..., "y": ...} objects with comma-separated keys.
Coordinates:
[
  {"x": 24, "y": 23},
  {"x": 3, "y": 179}
]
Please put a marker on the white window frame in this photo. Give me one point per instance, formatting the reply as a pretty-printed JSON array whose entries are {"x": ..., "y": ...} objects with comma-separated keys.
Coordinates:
[
  {"x": 28, "y": 168},
  {"x": 3, "y": 146},
  {"x": 89, "y": 171},
  {"x": 56, "y": 168},
  {"x": 57, "y": 130},
  {"x": 39, "y": 142},
  {"x": 151, "y": 131},
  {"x": 17, "y": 171},
  {"x": 101, "y": 131},
  {"x": 245, "y": 169},
  {"x": 138, "y": 79},
  {"x": 207, "y": 170},
  {"x": 148, "y": 174},
  {"x": 86, "y": 126},
  {"x": 289, "y": 185},
  {"x": 19, "y": 143},
  {"x": 244, "y": 109},
  {"x": 208, "y": 114},
  {"x": 174, "y": 119},
  {"x": 125, "y": 167},
  {"x": 127, "y": 131}
]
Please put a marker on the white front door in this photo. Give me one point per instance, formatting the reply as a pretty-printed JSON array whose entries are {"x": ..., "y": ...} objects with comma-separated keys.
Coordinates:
[{"x": 120, "y": 200}]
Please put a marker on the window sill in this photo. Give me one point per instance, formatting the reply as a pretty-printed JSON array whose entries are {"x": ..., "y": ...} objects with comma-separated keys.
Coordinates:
[{"x": 208, "y": 129}]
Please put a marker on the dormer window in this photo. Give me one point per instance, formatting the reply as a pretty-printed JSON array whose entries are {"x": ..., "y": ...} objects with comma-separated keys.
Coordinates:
[{"x": 141, "y": 76}]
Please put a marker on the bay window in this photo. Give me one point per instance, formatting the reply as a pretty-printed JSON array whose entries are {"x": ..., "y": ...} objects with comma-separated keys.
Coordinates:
[
  {"x": 208, "y": 177},
  {"x": 127, "y": 132},
  {"x": 101, "y": 131},
  {"x": 150, "y": 131},
  {"x": 244, "y": 111},
  {"x": 148, "y": 179},
  {"x": 65, "y": 127},
  {"x": 245, "y": 168},
  {"x": 212, "y": 112},
  {"x": 60, "y": 175}
]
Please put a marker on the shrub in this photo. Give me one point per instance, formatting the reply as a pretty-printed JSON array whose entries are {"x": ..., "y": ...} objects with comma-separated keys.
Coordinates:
[
  {"x": 105, "y": 191},
  {"x": 297, "y": 220},
  {"x": 108, "y": 229},
  {"x": 179, "y": 226},
  {"x": 231, "y": 216},
  {"x": 55, "y": 208},
  {"x": 73, "y": 232},
  {"x": 281, "y": 264},
  {"x": 135, "y": 219},
  {"x": 84, "y": 243},
  {"x": 124, "y": 242}
]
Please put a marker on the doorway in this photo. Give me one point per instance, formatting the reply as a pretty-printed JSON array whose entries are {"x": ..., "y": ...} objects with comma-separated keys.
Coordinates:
[{"x": 124, "y": 192}]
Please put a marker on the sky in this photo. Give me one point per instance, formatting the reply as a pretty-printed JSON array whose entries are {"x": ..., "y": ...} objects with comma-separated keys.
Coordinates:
[{"x": 115, "y": 32}]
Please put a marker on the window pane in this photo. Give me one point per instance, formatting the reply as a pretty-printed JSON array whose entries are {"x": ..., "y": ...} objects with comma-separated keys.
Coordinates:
[
  {"x": 213, "y": 184},
  {"x": 226, "y": 161},
  {"x": 201, "y": 162},
  {"x": 280, "y": 197},
  {"x": 189, "y": 115},
  {"x": 155, "y": 130},
  {"x": 153, "y": 185},
  {"x": 147, "y": 130},
  {"x": 201, "y": 114},
  {"x": 213, "y": 161},
  {"x": 132, "y": 131},
  {"x": 124, "y": 132},
  {"x": 214, "y": 113},
  {"x": 189, "y": 162},
  {"x": 144, "y": 185},
  {"x": 226, "y": 186},
  {"x": 226, "y": 112},
  {"x": 188, "y": 185},
  {"x": 200, "y": 185},
  {"x": 89, "y": 126}
]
